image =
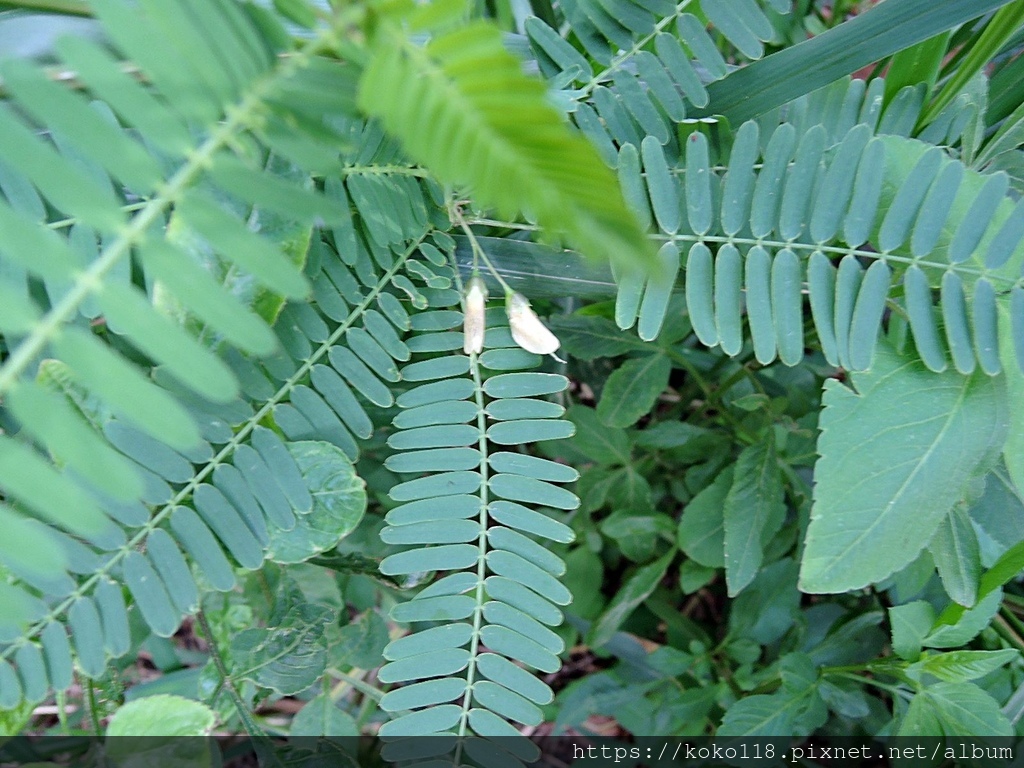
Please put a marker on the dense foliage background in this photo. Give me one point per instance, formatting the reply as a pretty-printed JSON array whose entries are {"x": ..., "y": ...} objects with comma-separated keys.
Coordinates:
[{"x": 257, "y": 478}]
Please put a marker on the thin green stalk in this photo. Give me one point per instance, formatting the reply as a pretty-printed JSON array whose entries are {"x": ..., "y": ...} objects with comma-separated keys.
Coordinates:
[
  {"x": 478, "y": 252},
  {"x": 834, "y": 250},
  {"x": 893, "y": 690},
  {"x": 481, "y": 567},
  {"x": 94, "y": 718}
]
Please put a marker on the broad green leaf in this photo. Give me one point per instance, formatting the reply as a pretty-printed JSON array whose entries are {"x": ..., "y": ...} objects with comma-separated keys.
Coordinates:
[
  {"x": 162, "y": 715},
  {"x": 605, "y": 445},
  {"x": 963, "y": 709},
  {"x": 917, "y": 64},
  {"x": 339, "y": 502},
  {"x": 701, "y": 533},
  {"x": 957, "y": 555},
  {"x": 914, "y": 456},
  {"x": 921, "y": 719},
  {"x": 762, "y": 715},
  {"x": 637, "y": 534},
  {"x": 769, "y": 606},
  {"x": 753, "y": 512},
  {"x": 639, "y": 587},
  {"x": 910, "y": 624},
  {"x": 954, "y": 628},
  {"x": 632, "y": 390}
]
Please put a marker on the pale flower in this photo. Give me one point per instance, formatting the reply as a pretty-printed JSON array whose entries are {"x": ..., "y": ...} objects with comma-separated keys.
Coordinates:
[
  {"x": 527, "y": 329},
  {"x": 475, "y": 301}
]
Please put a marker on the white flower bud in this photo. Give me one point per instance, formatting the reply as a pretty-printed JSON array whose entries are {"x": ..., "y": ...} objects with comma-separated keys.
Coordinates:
[
  {"x": 527, "y": 329},
  {"x": 474, "y": 300}
]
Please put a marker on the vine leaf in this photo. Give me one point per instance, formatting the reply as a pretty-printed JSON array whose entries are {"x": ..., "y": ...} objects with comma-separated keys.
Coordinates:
[
  {"x": 961, "y": 666},
  {"x": 289, "y": 657},
  {"x": 339, "y": 502},
  {"x": 893, "y": 464}
]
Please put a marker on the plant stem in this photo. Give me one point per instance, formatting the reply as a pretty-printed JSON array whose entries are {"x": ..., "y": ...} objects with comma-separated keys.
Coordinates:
[
  {"x": 478, "y": 252},
  {"x": 352, "y": 681},
  {"x": 222, "y": 671},
  {"x": 93, "y": 716},
  {"x": 1009, "y": 628},
  {"x": 481, "y": 567}
]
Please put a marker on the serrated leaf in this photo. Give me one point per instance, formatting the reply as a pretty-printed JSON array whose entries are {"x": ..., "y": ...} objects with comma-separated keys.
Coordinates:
[
  {"x": 701, "y": 533},
  {"x": 762, "y": 715},
  {"x": 753, "y": 513},
  {"x": 963, "y": 709},
  {"x": 914, "y": 455},
  {"x": 910, "y": 623},
  {"x": 605, "y": 445},
  {"x": 957, "y": 556},
  {"x": 632, "y": 389},
  {"x": 961, "y": 666}
]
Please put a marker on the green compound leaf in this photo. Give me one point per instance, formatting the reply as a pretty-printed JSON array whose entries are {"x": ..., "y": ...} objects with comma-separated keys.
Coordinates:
[
  {"x": 913, "y": 456},
  {"x": 339, "y": 502},
  {"x": 462, "y": 82}
]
